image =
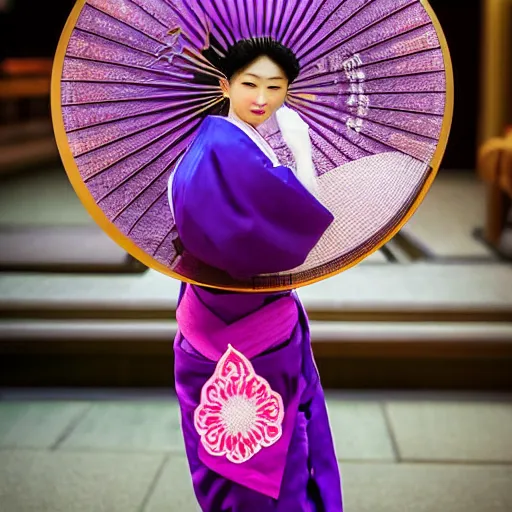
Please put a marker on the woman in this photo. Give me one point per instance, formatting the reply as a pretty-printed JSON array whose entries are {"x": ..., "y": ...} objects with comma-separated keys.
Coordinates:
[{"x": 253, "y": 411}]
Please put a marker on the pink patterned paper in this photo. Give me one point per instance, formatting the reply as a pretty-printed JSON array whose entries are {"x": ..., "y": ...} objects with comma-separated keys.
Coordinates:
[{"x": 239, "y": 414}]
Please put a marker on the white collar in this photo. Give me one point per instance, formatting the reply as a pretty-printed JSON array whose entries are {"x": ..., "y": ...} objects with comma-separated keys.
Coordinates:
[{"x": 256, "y": 136}]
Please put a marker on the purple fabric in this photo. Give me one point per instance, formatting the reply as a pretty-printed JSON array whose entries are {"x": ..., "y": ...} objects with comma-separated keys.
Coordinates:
[
  {"x": 210, "y": 335},
  {"x": 233, "y": 306},
  {"x": 236, "y": 212},
  {"x": 308, "y": 477},
  {"x": 253, "y": 334}
]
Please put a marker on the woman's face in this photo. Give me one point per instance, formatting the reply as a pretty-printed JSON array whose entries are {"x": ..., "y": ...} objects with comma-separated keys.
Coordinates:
[{"x": 257, "y": 91}]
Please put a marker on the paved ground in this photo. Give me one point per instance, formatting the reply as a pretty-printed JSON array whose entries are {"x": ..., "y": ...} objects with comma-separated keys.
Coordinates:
[{"x": 398, "y": 453}]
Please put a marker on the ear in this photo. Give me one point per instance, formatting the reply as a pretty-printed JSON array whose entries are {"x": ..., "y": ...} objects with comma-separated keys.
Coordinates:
[{"x": 224, "y": 85}]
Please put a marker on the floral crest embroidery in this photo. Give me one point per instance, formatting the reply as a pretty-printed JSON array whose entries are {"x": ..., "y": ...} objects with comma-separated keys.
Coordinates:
[{"x": 239, "y": 414}]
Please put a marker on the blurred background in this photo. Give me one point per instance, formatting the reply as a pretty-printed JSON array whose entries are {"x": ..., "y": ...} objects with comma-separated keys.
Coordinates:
[{"x": 414, "y": 345}]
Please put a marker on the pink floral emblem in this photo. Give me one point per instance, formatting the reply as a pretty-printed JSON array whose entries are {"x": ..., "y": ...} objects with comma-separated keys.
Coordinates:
[{"x": 239, "y": 414}]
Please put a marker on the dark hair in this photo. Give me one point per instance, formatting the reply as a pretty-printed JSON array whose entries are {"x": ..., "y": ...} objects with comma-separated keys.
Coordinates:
[
  {"x": 239, "y": 56},
  {"x": 245, "y": 51}
]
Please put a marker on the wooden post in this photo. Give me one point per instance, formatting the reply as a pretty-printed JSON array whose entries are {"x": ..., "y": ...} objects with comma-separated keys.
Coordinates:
[
  {"x": 498, "y": 204},
  {"x": 496, "y": 78}
]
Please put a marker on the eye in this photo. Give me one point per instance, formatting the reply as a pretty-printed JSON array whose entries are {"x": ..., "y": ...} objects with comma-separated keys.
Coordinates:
[
  {"x": 275, "y": 87},
  {"x": 249, "y": 84}
]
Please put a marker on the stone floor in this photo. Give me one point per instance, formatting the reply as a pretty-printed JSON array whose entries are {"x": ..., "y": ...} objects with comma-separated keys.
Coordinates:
[
  {"x": 397, "y": 452},
  {"x": 98, "y": 452},
  {"x": 444, "y": 223}
]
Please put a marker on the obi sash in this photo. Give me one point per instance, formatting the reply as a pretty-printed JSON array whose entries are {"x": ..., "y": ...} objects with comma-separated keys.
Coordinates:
[{"x": 269, "y": 341}]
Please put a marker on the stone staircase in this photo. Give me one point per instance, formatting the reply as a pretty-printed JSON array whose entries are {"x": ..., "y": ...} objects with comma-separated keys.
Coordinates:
[{"x": 409, "y": 326}]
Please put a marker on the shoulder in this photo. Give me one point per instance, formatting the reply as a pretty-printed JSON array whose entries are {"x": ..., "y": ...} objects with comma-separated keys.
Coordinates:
[
  {"x": 218, "y": 129},
  {"x": 213, "y": 124}
]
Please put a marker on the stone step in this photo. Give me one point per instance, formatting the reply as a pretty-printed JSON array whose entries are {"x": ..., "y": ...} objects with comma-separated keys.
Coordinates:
[
  {"x": 417, "y": 339},
  {"x": 419, "y": 292},
  {"x": 73, "y": 249},
  {"x": 349, "y": 355}
]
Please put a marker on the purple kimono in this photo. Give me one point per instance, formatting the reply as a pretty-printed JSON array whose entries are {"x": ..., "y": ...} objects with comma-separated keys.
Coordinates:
[{"x": 253, "y": 412}]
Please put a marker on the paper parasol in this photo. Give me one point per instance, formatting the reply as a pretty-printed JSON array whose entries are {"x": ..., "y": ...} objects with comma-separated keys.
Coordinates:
[{"x": 131, "y": 87}]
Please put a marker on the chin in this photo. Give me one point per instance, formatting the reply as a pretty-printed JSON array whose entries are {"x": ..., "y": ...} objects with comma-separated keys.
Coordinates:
[{"x": 256, "y": 121}]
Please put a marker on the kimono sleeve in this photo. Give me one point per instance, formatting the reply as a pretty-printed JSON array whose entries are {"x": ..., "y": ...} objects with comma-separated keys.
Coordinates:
[{"x": 236, "y": 212}]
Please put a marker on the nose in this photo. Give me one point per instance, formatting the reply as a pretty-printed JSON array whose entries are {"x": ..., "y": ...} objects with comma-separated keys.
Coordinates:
[{"x": 261, "y": 100}]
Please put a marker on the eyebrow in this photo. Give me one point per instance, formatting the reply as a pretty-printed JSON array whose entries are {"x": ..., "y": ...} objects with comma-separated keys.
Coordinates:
[{"x": 273, "y": 78}]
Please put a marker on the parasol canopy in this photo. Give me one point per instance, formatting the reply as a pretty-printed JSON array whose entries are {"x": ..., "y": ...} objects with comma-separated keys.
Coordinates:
[{"x": 131, "y": 86}]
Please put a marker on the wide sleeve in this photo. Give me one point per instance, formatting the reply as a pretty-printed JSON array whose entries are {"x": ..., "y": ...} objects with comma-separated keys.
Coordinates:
[{"x": 236, "y": 212}]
